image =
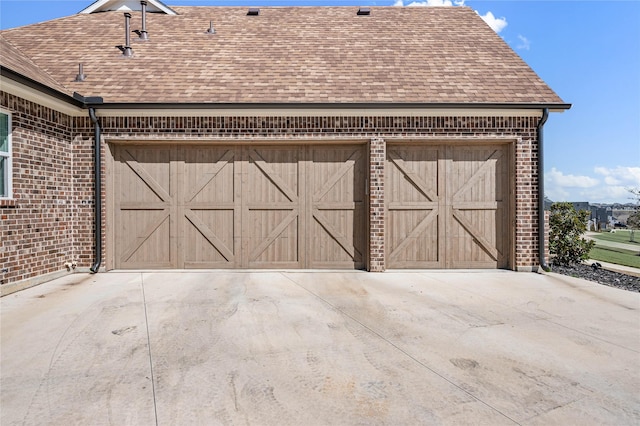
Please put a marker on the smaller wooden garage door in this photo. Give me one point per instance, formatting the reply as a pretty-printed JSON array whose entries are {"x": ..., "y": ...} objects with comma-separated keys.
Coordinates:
[
  {"x": 239, "y": 207},
  {"x": 447, "y": 206}
]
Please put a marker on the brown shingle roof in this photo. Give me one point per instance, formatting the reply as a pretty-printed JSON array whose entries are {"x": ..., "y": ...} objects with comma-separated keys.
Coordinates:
[
  {"x": 284, "y": 55},
  {"x": 12, "y": 58}
]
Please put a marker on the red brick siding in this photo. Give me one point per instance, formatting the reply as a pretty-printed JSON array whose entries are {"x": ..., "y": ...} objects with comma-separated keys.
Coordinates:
[
  {"x": 67, "y": 143},
  {"x": 377, "y": 157},
  {"x": 36, "y": 232}
]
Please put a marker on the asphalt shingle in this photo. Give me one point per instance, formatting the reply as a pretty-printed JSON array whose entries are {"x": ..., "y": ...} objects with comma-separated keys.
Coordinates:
[{"x": 284, "y": 55}]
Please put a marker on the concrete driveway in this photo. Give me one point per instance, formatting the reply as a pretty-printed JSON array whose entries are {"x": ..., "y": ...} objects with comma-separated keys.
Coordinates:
[{"x": 317, "y": 348}]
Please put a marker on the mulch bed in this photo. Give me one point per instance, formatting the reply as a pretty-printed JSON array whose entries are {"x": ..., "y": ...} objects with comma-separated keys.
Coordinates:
[{"x": 599, "y": 275}]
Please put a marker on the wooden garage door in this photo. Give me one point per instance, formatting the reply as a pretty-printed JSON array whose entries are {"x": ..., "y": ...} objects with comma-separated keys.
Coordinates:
[
  {"x": 239, "y": 207},
  {"x": 447, "y": 206}
]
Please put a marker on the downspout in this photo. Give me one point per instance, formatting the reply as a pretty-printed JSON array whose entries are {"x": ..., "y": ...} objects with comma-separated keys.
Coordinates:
[
  {"x": 541, "y": 221},
  {"x": 97, "y": 202}
]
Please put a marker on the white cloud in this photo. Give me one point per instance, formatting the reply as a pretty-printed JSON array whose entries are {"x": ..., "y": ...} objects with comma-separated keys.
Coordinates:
[
  {"x": 620, "y": 176},
  {"x": 496, "y": 24},
  {"x": 524, "y": 42},
  {"x": 555, "y": 193},
  {"x": 559, "y": 179},
  {"x": 606, "y": 185},
  {"x": 606, "y": 194},
  {"x": 431, "y": 3}
]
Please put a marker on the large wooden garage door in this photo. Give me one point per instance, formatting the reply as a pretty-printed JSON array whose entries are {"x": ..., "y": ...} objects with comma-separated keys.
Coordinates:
[
  {"x": 239, "y": 207},
  {"x": 447, "y": 206}
]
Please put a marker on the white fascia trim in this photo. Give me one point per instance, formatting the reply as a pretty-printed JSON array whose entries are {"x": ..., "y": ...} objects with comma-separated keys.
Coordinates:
[
  {"x": 93, "y": 6},
  {"x": 104, "y": 5},
  {"x": 321, "y": 112},
  {"x": 14, "y": 88}
]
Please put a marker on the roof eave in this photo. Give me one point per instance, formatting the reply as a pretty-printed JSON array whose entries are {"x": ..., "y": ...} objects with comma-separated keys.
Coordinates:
[
  {"x": 554, "y": 107},
  {"x": 40, "y": 87},
  {"x": 96, "y": 102}
]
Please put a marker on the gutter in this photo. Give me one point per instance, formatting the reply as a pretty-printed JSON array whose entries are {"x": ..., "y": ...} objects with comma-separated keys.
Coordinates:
[
  {"x": 97, "y": 188},
  {"x": 329, "y": 106},
  {"x": 541, "y": 221},
  {"x": 91, "y": 102}
]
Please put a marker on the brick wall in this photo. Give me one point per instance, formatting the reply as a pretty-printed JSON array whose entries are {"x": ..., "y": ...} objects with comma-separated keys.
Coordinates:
[
  {"x": 36, "y": 231},
  {"x": 51, "y": 219},
  {"x": 377, "y": 158}
]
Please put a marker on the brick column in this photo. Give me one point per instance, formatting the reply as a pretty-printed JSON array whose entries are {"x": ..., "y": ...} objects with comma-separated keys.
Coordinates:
[{"x": 377, "y": 156}]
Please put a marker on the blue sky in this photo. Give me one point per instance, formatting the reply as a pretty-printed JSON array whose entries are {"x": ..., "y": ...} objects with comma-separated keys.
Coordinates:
[{"x": 587, "y": 51}]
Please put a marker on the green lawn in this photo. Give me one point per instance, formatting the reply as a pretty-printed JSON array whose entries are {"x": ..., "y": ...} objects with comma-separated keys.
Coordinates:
[
  {"x": 616, "y": 255},
  {"x": 619, "y": 236}
]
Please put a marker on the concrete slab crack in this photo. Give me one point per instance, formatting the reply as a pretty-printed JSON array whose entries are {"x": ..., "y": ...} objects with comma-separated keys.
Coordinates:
[{"x": 146, "y": 322}]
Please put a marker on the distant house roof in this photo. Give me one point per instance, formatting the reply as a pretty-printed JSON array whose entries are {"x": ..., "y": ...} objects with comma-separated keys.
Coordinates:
[{"x": 305, "y": 55}]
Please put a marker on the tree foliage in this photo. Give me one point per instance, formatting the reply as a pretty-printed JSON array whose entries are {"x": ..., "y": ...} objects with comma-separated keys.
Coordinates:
[{"x": 567, "y": 226}]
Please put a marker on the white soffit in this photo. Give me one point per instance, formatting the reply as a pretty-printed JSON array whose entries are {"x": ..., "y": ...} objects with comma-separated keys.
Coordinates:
[{"x": 153, "y": 6}]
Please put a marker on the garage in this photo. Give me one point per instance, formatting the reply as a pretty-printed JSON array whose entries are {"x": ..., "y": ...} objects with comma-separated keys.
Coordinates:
[
  {"x": 210, "y": 206},
  {"x": 448, "y": 206}
]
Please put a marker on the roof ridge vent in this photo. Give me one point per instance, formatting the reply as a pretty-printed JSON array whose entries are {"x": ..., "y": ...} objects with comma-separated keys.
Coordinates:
[
  {"x": 126, "y": 50},
  {"x": 253, "y": 11},
  {"x": 364, "y": 11},
  {"x": 142, "y": 34}
]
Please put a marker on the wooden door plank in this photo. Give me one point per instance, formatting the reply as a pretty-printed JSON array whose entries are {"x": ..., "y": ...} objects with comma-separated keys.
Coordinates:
[
  {"x": 272, "y": 175},
  {"x": 410, "y": 205},
  {"x": 336, "y": 235},
  {"x": 210, "y": 207},
  {"x": 258, "y": 250},
  {"x": 134, "y": 169},
  {"x": 209, "y": 176},
  {"x": 238, "y": 211},
  {"x": 146, "y": 177},
  {"x": 476, "y": 205},
  {"x": 244, "y": 211},
  {"x": 141, "y": 205},
  {"x": 305, "y": 242},
  {"x": 337, "y": 175},
  {"x": 210, "y": 236},
  {"x": 337, "y": 205},
  {"x": 117, "y": 213},
  {"x": 415, "y": 233},
  {"x": 445, "y": 210},
  {"x": 176, "y": 162},
  {"x": 485, "y": 167},
  {"x": 412, "y": 176},
  {"x": 272, "y": 204},
  {"x": 148, "y": 231},
  {"x": 334, "y": 206},
  {"x": 482, "y": 241}
]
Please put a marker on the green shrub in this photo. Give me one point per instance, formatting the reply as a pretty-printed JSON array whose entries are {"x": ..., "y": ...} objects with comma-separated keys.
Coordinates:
[{"x": 565, "y": 237}]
